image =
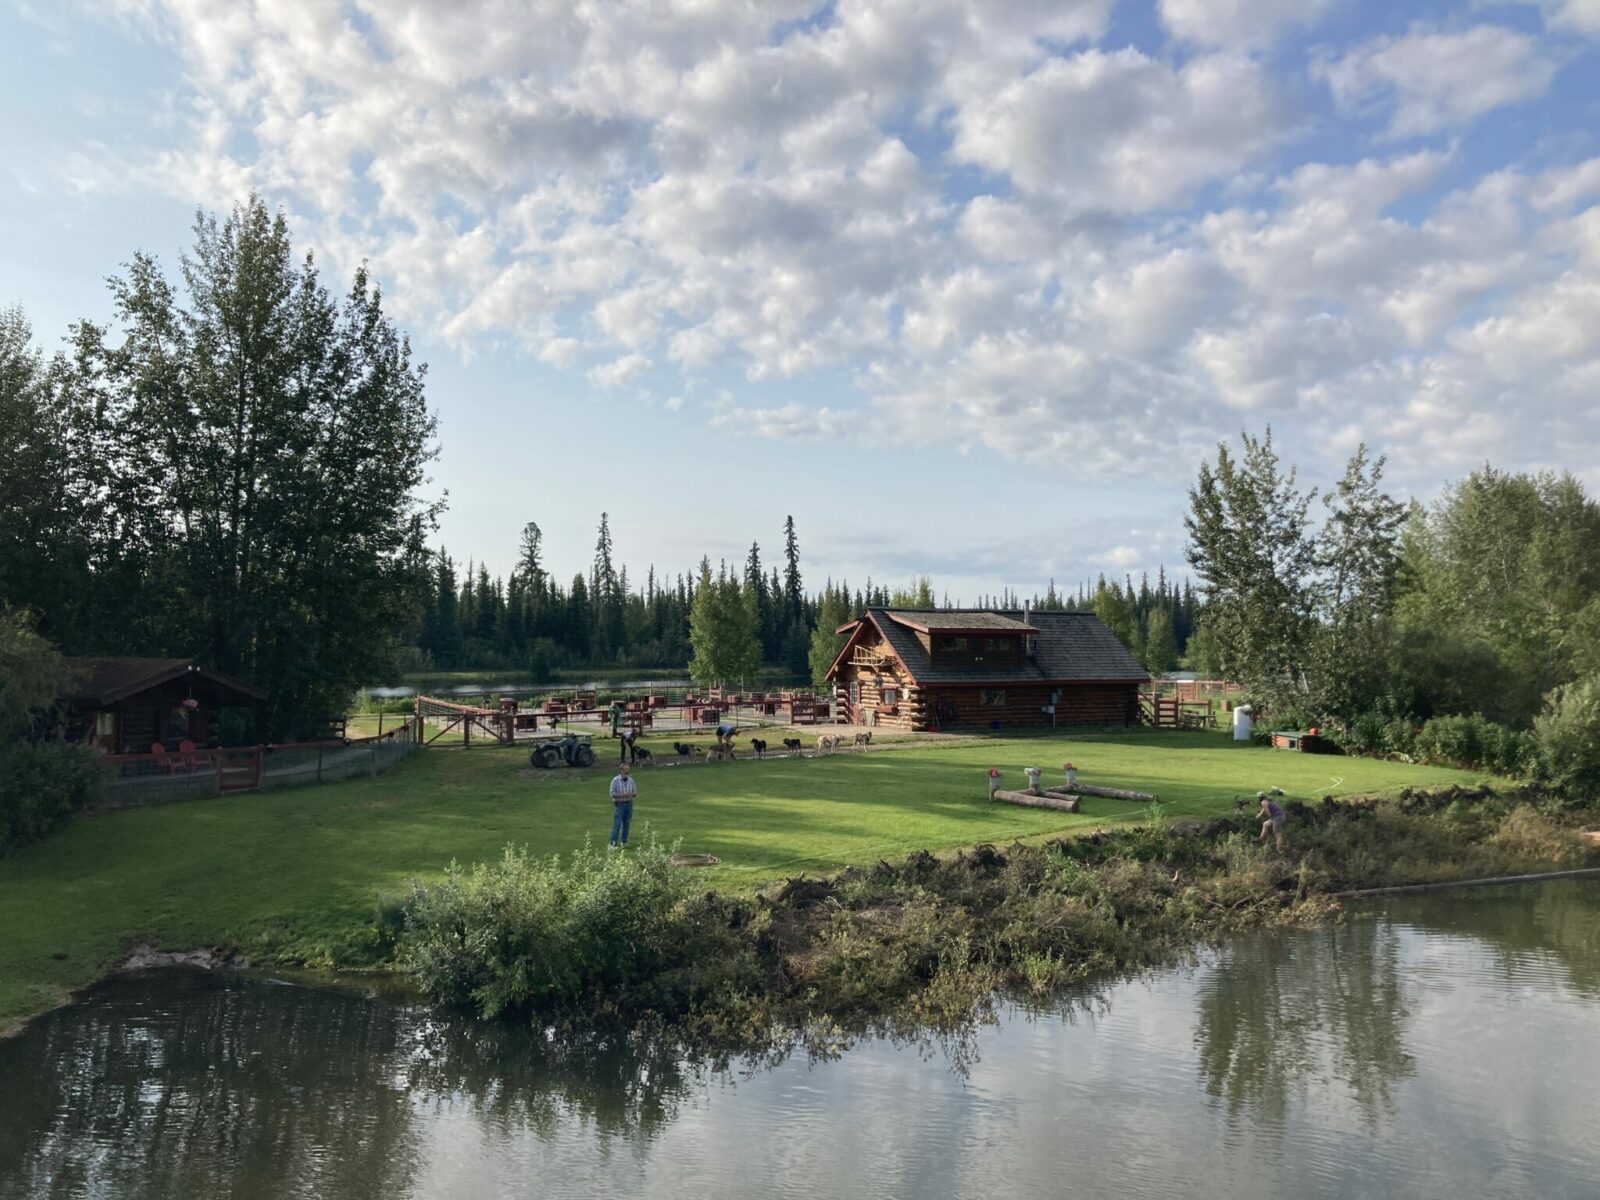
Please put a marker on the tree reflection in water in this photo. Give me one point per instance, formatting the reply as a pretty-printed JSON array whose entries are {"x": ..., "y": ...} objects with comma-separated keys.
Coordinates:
[
  {"x": 1277, "y": 1015},
  {"x": 183, "y": 1083}
]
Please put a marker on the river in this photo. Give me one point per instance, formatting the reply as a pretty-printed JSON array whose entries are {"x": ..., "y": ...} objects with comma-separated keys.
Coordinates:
[{"x": 1446, "y": 1045}]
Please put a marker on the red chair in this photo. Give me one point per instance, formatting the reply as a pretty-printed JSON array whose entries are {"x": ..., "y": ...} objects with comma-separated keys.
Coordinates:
[
  {"x": 163, "y": 759},
  {"x": 186, "y": 750}
]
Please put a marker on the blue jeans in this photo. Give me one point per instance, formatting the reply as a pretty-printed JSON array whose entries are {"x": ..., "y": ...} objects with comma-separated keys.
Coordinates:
[{"x": 620, "y": 820}]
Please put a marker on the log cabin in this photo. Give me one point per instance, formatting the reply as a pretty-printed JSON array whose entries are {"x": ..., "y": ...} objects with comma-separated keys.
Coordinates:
[
  {"x": 122, "y": 705},
  {"x": 983, "y": 669}
]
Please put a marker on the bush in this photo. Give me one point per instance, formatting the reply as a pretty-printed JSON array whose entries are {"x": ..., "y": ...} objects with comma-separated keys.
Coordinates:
[
  {"x": 1381, "y": 731},
  {"x": 41, "y": 787},
  {"x": 1474, "y": 741},
  {"x": 601, "y": 931},
  {"x": 1568, "y": 733}
]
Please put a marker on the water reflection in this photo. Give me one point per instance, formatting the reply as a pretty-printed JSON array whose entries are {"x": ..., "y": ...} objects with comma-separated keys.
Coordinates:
[
  {"x": 172, "y": 1092},
  {"x": 1278, "y": 1014},
  {"x": 1335, "y": 1062}
]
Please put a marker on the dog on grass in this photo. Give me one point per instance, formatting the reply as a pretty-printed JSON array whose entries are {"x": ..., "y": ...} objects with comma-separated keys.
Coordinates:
[
  {"x": 759, "y": 746},
  {"x": 640, "y": 754},
  {"x": 826, "y": 743},
  {"x": 792, "y": 744},
  {"x": 864, "y": 739},
  {"x": 682, "y": 749}
]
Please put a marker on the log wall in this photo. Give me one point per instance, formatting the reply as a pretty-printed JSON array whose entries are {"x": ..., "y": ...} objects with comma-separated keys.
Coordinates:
[{"x": 918, "y": 707}]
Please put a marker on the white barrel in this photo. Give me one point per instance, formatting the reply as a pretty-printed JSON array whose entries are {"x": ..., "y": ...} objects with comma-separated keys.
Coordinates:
[{"x": 1241, "y": 723}]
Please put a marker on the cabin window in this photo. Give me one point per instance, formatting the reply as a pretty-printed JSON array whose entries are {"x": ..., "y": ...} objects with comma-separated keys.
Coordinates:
[
  {"x": 104, "y": 724},
  {"x": 996, "y": 643},
  {"x": 953, "y": 643},
  {"x": 891, "y": 697},
  {"x": 992, "y": 697}
]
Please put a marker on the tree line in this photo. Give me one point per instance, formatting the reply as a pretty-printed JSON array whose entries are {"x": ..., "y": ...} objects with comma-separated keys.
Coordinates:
[
  {"x": 758, "y": 618},
  {"x": 1377, "y": 618}
]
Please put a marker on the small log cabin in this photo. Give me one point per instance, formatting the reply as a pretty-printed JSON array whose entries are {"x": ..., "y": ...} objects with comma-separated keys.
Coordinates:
[
  {"x": 122, "y": 705},
  {"x": 973, "y": 669}
]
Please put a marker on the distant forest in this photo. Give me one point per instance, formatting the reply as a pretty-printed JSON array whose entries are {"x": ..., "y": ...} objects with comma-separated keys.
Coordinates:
[{"x": 606, "y": 616}]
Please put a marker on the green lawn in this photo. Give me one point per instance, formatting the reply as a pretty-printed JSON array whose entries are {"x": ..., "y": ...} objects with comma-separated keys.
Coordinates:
[{"x": 295, "y": 874}]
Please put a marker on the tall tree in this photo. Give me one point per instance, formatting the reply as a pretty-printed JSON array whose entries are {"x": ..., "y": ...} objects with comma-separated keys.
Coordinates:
[
  {"x": 834, "y": 610},
  {"x": 1249, "y": 543},
  {"x": 41, "y": 561},
  {"x": 722, "y": 629},
  {"x": 606, "y": 594},
  {"x": 530, "y": 556},
  {"x": 1358, "y": 557},
  {"x": 1160, "y": 647},
  {"x": 262, "y": 444},
  {"x": 793, "y": 592}
]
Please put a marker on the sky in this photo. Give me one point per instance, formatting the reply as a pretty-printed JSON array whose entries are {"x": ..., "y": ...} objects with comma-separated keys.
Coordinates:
[{"x": 968, "y": 287}]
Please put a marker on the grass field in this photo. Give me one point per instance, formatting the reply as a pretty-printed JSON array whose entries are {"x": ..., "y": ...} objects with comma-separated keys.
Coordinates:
[{"x": 294, "y": 875}]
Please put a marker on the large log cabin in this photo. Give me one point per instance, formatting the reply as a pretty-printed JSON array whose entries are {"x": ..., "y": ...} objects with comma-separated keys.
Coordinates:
[{"x": 983, "y": 669}]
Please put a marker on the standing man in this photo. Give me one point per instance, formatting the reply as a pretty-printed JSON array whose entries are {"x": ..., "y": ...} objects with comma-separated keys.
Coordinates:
[
  {"x": 623, "y": 790},
  {"x": 1271, "y": 818}
]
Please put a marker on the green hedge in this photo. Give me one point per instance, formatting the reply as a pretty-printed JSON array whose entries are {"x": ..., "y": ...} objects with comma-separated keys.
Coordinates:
[{"x": 41, "y": 787}]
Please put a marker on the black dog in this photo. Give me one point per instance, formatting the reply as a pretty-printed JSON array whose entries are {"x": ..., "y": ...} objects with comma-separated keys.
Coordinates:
[
  {"x": 640, "y": 754},
  {"x": 759, "y": 746},
  {"x": 791, "y": 743},
  {"x": 684, "y": 750}
]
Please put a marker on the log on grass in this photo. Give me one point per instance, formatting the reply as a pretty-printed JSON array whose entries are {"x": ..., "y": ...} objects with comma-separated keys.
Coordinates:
[
  {"x": 1089, "y": 789},
  {"x": 1029, "y": 800}
]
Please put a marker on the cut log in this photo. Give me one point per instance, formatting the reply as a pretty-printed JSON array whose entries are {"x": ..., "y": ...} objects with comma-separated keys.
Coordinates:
[
  {"x": 1088, "y": 789},
  {"x": 1029, "y": 800}
]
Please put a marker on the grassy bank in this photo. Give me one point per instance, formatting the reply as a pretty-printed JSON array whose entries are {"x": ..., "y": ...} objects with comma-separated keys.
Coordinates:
[
  {"x": 929, "y": 942},
  {"x": 294, "y": 876}
]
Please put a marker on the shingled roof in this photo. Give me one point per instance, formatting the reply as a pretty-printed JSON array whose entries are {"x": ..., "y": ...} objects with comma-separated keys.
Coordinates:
[
  {"x": 103, "y": 681},
  {"x": 957, "y": 621},
  {"x": 1070, "y": 647}
]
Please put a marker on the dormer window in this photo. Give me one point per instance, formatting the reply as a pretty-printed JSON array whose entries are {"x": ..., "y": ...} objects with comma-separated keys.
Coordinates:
[{"x": 953, "y": 643}]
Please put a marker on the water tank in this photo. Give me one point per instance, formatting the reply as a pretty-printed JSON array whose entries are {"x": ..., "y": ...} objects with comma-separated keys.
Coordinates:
[{"x": 1241, "y": 723}]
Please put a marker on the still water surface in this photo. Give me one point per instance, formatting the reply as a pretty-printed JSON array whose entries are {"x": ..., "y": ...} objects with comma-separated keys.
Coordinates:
[{"x": 1442, "y": 1046}]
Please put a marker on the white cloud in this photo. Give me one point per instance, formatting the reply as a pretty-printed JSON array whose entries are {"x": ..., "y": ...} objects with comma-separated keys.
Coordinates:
[
  {"x": 1122, "y": 131},
  {"x": 1579, "y": 16},
  {"x": 791, "y": 421},
  {"x": 619, "y": 371},
  {"x": 1120, "y": 557},
  {"x": 1238, "y": 22},
  {"x": 1001, "y": 233},
  {"x": 1434, "y": 81}
]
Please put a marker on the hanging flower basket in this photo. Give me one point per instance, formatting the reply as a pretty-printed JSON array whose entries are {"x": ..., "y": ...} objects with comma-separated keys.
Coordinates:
[{"x": 191, "y": 704}]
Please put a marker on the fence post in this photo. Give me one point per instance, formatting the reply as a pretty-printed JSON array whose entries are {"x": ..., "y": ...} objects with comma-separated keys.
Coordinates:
[{"x": 319, "y": 764}]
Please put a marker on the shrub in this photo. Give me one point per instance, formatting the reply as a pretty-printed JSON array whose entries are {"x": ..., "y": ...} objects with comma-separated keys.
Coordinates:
[
  {"x": 1474, "y": 741},
  {"x": 598, "y": 931},
  {"x": 1568, "y": 733},
  {"x": 41, "y": 787},
  {"x": 1381, "y": 732}
]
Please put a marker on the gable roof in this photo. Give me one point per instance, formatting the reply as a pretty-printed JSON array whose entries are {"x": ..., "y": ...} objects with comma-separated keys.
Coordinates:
[
  {"x": 957, "y": 621},
  {"x": 102, "y": 681},
  {"x": 1070, "y": 647}
]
